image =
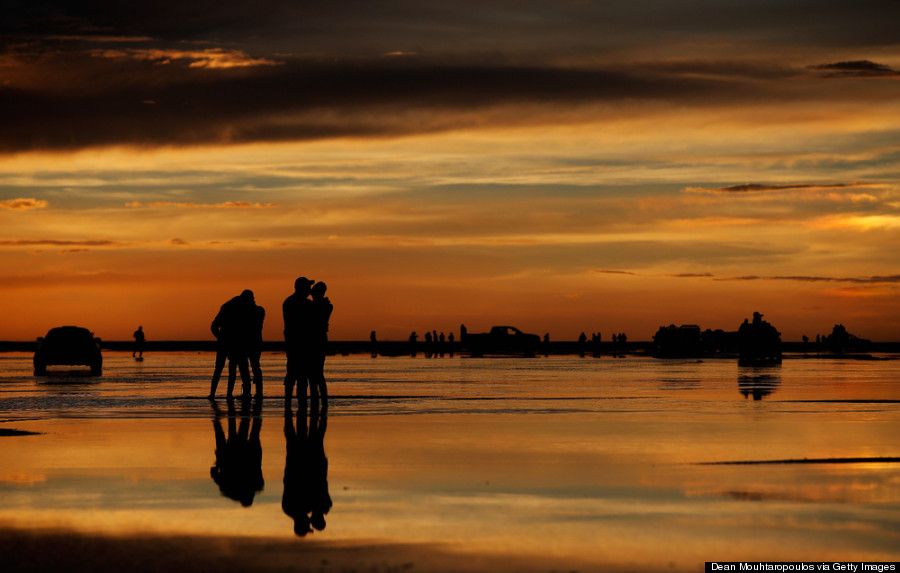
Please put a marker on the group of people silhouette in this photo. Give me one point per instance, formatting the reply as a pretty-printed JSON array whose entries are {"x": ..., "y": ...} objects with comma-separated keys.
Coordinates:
[
  {"x": 238, "y": 331},
  {"x": 238, "y": 468}
]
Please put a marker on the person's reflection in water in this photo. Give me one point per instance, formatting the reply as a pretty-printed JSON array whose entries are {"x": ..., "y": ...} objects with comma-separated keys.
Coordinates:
[
  {"x": 306, "y": 499},
  {"x": 238, "y": 469},
  {"x": 759, "y": 382}
]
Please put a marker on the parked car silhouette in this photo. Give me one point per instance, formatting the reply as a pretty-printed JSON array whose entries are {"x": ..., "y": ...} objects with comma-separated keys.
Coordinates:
[
  {"x": 502, "y": 340},
  {"x": 68, "y": 346}
]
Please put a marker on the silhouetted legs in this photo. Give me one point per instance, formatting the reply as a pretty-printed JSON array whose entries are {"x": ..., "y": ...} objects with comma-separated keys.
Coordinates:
[
  {"x": 257, "y": 373},
  {"x": 238, "y": 362},
  {"x": 221, "y": 356},
  {"x": 318, "y": 389},
  {"x": 300, "y": 365}
]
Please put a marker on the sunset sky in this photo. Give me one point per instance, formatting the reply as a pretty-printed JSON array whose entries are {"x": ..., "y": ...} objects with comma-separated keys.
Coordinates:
[{"x": 560, "y": 166}]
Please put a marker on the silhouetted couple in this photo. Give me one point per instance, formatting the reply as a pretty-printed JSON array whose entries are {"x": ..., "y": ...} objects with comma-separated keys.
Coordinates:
[
  {"x": 238, "y": 332},
  {"x": 306, "y": 498},
  {"x": 306, "y": 316}
]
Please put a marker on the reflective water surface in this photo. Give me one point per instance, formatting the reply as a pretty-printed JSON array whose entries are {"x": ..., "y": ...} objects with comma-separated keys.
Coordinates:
[{"x": 623, "y": 461}]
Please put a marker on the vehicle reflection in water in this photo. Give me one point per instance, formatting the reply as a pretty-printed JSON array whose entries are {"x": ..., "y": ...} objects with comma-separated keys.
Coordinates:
[
  {"x": 759, "y": 382},
  {"x": 238, "y": 468},
  {"x": 306, "y": 499}
]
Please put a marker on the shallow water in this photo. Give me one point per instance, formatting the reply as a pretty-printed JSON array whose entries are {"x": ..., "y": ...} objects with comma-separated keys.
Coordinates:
[{"x": 593, "y": 460}]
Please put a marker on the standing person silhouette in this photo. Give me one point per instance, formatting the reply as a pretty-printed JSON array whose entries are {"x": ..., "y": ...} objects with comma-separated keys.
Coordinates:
[
  {"x": 254, "y": 351},
  {"x": 322, "y": 309},
  {"x": 297, "y": 311},
  {"x": 138, "y": 343},
  {"x": 230, "y": 329}
]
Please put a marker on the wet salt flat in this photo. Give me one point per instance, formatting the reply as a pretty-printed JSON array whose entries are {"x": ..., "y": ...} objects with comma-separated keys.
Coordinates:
[{"x": 590, "y": 461}]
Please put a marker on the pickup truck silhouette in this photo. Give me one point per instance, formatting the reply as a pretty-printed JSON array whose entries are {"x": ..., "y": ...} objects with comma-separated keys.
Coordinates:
[{"x": 502, "y": 340}]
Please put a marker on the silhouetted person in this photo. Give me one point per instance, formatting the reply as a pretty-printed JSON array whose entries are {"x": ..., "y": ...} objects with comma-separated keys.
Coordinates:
[
  {"x": 254, "y": 350},
  {"x": 232, "y": 327},
  {"x": 306, "y": 499},
  {"x": 297, "y": 311},
  {"x": 238, "y": 468},
  {"x": 582, "y": 338},
  {"x": 462, "y": 332},
  {"x": 322, "y": 309},
  {"x": 547, "y": 337},
  {"x": 138, "y": 343}
]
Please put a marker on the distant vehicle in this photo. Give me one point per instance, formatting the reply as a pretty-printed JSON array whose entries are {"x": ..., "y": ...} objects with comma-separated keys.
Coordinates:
[
  {"x": 68, "y": 346},
  {"x": 760, "y": 343},
  {"x": 678, "y": 341},
  {"x": 502, "y": 340}
]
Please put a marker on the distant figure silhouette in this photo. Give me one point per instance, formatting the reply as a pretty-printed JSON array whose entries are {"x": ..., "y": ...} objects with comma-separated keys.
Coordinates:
[
  {"x": 547, "y": 337},
  {"x": 238, "y": 468},
  {"x": 232, "y": 328},
  {"x": 138, "y": 343},
  {"x": 582, "y": 338},
  {"x": 462, "y": 332},
  {"x": 298, "y": 314},
  {"x": 372, "y": 337},
  {"x": 306, "y": 499},
  {"x": 322, "y": 310}
]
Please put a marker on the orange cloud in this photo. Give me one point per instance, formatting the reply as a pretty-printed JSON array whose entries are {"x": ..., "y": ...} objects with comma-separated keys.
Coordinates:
[
  {"x": 227, "y": 204},
  {"x": 60, "y": 243},
  {"x": 217, "y": 58},
  {"x": 23, "y": 204}
]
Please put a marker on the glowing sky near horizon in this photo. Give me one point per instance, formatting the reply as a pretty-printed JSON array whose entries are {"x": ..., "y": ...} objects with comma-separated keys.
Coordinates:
[{"x": 562, "y": 167}]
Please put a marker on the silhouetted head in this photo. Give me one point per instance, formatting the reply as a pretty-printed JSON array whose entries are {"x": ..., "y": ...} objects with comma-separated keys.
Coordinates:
[
  {"x": 302, "y": 285},
  {"x": 247, "y": 295},
  {"x": 318, "y": 289}
]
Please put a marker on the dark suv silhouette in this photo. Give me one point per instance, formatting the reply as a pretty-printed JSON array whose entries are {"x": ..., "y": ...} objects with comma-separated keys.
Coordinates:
[{"x": 68, "y": 346}]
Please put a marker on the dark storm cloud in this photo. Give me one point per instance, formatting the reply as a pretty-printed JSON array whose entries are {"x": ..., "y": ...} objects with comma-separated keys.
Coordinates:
[
  {"x": 855, "y": 69},
  {"x": 107, "y": 103},
  {"x": 764, "y": 188},
  {"x": 363, "y": 26},
  {"x": 887, "y": 279},
  {"x": 613, "y": 272},
  {"x": 870, "y": 280},
  {"x": 108, "y": 72}
]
